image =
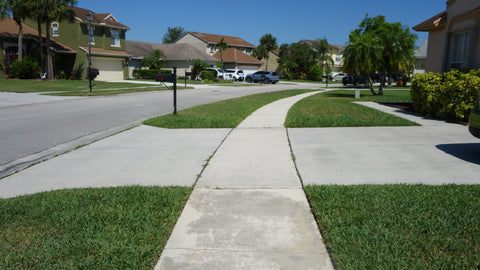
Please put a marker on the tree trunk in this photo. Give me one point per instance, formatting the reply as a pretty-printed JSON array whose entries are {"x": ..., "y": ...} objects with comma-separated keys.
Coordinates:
[
  {"x": 40, "y": 41},
  {"x": 49, "y": 53},
  {"x": 18, "y": 20},
  {"x": 371, "y": 86}
]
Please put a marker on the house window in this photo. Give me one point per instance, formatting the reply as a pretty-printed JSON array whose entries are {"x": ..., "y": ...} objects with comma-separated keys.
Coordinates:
[
  {"x": 91, "y": 32},
  {"x": 248, "y": 51},
  {"x": 337, "y": 57},
  {"x": 55, "y": 32},
  {"x": 459, "y": 49},
  {"x": 212, "y": 48},
  {"x": 115, "y": 38}
]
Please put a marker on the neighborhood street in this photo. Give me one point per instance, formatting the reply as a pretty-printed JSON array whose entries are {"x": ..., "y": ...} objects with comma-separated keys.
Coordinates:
[{"x": 35, "y": 127}]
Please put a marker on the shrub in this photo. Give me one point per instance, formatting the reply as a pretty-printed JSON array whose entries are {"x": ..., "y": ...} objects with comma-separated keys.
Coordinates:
[
  {"x": 314, "y": 73},
  {"x": 28, "y": 68},
  {"x": 448, "y": 96},
  {"x": 209, "y": 75},
  {"x": 148, "y": 73}
]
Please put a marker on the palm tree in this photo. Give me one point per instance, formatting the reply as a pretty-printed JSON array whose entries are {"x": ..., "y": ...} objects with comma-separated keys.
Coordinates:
[
  {"x": 20, "y": 10},
  {"x": 324, "y": 49},
  {"x": 362, "y": 55},
  {"x": 53, "y": 10},
  {"x": 269, "y": 43},
  {"x": 222, "y": 46}
]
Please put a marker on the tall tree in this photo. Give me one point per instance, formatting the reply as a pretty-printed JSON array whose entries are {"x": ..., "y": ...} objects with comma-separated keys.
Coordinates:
[
  {"x": 19, "y": 10},
  {"x": 221, "y": 46},
  {"x": 53, "y": 10},
  {"x": 392, "y": 41},
  {"x": 296, "y": 59},
  {"x": 268, "y": 43},
  {"x": 323, "y": 52},
  {"x": 362, "y": 56},
  {"x": 173, "y": 33}
]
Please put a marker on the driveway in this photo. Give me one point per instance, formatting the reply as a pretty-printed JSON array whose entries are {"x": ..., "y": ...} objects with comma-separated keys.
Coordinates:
[{"x": 434, "y": 153}]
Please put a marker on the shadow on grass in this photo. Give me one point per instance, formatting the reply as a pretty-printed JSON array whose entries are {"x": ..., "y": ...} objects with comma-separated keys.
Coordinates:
[{"x": 469, "y": 152}]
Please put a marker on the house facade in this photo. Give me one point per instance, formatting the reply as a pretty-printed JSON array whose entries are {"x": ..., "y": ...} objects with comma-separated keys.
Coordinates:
[
  {"x": 108, "y": 48},
  {"x": 180, "y": 56},
  {"x": 454, "y": 37},
  {"x": 63, "y": 54},
  {"x": 237, "y": 56}
]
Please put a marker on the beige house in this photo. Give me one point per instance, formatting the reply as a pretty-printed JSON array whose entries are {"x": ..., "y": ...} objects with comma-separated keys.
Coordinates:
[
  {"x": 454, "y": 37},
  {"x": 237, "y": 56}
]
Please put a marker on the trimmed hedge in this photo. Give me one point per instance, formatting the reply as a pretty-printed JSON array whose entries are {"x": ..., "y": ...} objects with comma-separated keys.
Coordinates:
[
  {"x": 447, "y": 96},
  {"x": 148, "y": 73}
]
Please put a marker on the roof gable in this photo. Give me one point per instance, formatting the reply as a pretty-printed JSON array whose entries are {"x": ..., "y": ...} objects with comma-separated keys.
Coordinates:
[
  {"x": 234, "y": 55},
  {"x": 213, "y": 39},
  {"x": 98, "y": 18},
  {"x": 437, "y": 22}
]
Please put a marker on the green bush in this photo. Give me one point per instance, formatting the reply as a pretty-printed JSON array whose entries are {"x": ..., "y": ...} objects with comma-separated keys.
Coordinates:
[
  {"x": 209, "y": 75},
  {"x": 314, "y": 73},
  {"x": 448, "y": 96},
  {"x": 148, "y": 73},
  {"x": 28, "y": 68}
]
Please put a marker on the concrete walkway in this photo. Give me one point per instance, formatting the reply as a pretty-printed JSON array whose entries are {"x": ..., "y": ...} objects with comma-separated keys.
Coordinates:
[{"x": 248, "y": 210}]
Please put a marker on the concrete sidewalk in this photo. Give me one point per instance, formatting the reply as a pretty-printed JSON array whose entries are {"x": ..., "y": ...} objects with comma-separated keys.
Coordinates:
[{"x": 248, "y": 210}]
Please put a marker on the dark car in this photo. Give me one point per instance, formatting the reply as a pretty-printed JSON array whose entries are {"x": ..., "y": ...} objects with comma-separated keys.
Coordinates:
[
  {"x": 263, "y": 76},
  {"x": 354, "y": 80}
]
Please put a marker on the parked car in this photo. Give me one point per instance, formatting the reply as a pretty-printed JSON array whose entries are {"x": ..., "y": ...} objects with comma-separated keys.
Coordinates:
[
  {"x": 221, "y": 74},
  {"x": 339, "y": 76},
  {"x": 354, "y": 79},
  {"x": 237, "y": 74},
  {"x": 474, "y": 120},
  {"x": 263, "y": 76}
]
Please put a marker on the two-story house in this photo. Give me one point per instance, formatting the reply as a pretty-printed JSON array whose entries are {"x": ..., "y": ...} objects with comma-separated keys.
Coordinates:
[
  {"x": 237, "y": 55},
  {"x": 108, "y": 52},
  {"x": 454, "y": 37}
]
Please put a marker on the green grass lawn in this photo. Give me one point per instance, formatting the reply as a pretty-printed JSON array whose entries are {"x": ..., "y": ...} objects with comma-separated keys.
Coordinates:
[
  {"x": 222, "y": 114},
  {"x": 336, "y": 109},
  {"x": 399, "y": 226},
  {"x": 105, "y": 228},
  {"x": 35, "y": 86}
]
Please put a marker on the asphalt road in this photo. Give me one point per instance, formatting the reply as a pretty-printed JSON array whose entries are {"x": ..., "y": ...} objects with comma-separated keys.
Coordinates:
[{"x": 34, "y": 128}]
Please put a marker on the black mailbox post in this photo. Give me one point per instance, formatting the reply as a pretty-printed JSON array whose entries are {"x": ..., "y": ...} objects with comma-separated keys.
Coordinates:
[{"x": 168, "y": 77}]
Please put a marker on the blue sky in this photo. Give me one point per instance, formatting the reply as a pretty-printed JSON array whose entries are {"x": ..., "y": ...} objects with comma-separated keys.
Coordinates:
[{"x": 288, "y": 21}]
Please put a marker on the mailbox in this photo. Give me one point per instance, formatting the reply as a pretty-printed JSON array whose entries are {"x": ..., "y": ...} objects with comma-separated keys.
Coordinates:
[{"x": 165, "y": 77}]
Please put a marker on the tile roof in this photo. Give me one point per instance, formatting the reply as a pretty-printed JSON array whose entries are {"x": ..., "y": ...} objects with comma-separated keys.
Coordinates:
[
  {"x": 436, "y": 22},
  {"x": 9, "y": 28},
  {"x": 234, "y": 55},
  {"x": 213, "y": 39},
  {"x": 174, "y": 51},
  {"x": 98, "y": 18}
]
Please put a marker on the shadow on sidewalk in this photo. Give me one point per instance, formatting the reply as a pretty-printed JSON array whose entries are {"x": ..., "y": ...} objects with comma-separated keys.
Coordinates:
[{"x": 469, "y": 152}]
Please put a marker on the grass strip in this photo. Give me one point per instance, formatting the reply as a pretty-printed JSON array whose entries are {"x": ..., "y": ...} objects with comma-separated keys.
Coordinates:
[
  {"x": 36, "y": 86},
  {"x": 399, "y": 226},
  {"x": 336, "y": 109},
  {"x": 222, "y": 114},
  {"x": 106, "y": 228}
]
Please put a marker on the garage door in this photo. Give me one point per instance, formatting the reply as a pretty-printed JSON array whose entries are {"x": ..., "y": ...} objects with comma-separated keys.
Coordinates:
[
  {"x": 111, "y": 69},
  {"x": 248, "y": 69}
]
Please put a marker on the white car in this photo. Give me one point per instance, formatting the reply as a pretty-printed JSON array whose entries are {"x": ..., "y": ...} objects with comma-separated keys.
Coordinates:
[
  {"x": 339, "y": 76},
  {"x": 221, "y": 74},
  {"x": 237, "y": 74}
]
